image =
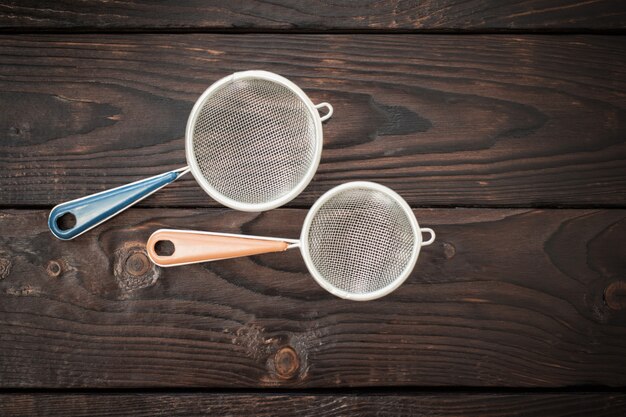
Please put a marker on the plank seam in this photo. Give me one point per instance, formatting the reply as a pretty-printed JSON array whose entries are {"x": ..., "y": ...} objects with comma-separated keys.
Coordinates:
[{"x": 244, "y": 31}]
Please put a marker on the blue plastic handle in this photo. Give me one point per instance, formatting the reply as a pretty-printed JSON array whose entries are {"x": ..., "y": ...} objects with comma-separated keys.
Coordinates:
[{"x": 92, "y": 210}]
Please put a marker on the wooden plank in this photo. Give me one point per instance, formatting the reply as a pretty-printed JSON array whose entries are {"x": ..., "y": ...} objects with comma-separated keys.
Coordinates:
[
  {"x": 494, "y": 121},
  {"x": 519, "y": 298},
  {"x": 273, "y": 404},
  {"x": 283, "y": 15}
]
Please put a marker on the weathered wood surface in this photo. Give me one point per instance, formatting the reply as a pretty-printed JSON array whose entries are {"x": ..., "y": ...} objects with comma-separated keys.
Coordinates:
[
  {"x": 524, "y": 298},
  {"x": 283, "y": 15},
  {"x": 271, "y": 404},
  {"x": 493, "y": 121}
]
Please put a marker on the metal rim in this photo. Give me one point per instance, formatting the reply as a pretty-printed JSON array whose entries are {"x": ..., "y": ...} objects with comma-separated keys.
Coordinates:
[
  {"x": 195, "y": 169},
  {"x": 304, "y": 242}
]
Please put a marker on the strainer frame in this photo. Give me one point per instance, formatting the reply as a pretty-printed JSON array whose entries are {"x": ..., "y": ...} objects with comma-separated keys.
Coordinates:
[
  {"x": 306, "y": 179},
  {"x": 319, "y": 278}
]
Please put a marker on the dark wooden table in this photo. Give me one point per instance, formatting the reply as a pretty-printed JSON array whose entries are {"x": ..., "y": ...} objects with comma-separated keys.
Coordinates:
[{"x": 503, "y": 125}]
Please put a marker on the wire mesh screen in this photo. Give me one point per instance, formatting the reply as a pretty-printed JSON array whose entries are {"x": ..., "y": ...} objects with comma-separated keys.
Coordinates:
[
  {"x": 360, "y": 240},
  {"x": 254, "y": 140}
]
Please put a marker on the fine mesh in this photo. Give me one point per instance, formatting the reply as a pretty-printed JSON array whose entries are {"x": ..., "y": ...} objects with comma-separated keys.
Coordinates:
[
  {"x": 254, "y": 140},
  {"x": 360, "y": 240}
]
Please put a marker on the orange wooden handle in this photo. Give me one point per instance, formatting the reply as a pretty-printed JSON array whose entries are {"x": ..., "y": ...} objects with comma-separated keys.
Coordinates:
[{"x": 193, "y": 247}]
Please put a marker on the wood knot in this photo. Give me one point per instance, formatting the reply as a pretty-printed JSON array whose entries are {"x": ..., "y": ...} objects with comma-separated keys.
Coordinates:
[
  {"x": 615, "y": 295},
  {"x": 133, "y": 269},
  {"x": 449, "y": 250},
  {"x": 54, "y": 269},
  {"x": 286, "y": 363},
  {"x": 5, "y": 268},
  {"x": 18, "y": 131},
  {"x": 138, "y": 264}
]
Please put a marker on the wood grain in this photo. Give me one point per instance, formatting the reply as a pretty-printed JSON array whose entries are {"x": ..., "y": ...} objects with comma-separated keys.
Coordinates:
[
  {"x": 517, "y": 298},
  {"x": 283, "y": 15},
  {"x": 494, "y": 121},
  {"x": 272, "y": 404}
]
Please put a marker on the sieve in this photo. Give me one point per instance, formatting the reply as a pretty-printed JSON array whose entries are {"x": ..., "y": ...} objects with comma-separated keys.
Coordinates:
[
  {"x": 253, "y": 142},
  {"x": 360, "y": 241}
]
